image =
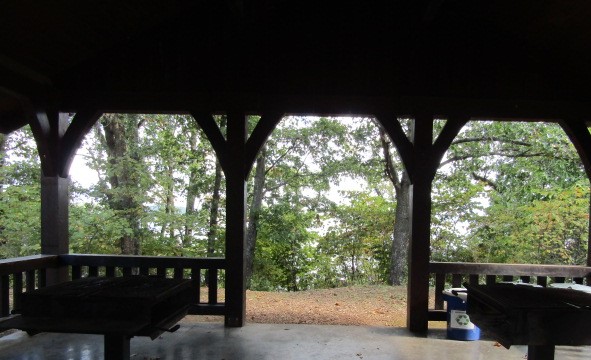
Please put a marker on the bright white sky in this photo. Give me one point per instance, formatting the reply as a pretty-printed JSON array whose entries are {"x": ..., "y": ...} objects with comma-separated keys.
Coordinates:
[{"x": 81, "y": 173}]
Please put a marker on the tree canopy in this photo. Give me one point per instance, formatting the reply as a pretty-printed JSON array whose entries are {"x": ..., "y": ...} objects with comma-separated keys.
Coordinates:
[{"x": 326, "y": 198}]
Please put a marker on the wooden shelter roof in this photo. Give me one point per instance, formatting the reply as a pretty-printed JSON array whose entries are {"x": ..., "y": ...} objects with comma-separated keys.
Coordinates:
[{"x": 296, "y": 56}]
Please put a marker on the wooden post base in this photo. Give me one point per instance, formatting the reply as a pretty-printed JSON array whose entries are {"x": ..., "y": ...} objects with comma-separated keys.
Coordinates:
[{"x": 540, "y": 352}]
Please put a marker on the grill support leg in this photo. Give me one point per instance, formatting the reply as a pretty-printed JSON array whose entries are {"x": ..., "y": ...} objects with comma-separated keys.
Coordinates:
[{"x": 117, "y": 347}]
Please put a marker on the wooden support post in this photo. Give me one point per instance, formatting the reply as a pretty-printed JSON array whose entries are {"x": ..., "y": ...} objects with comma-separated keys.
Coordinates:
[
  {"x": 235, "y": 220},
  {"x": 540, "y": 352},
  {"x": 420, "y": 219},
  {"x": 54, "y": 223},
  {"x": 57, "y": 141},
  {"x": 4, "y": 295}
]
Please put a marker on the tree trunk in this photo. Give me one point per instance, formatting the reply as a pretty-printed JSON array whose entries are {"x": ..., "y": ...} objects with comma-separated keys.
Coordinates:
[
  {"x": 3, "y": 140},
  {"x": 401, "y": 235},
  {"x": 254, "y": 211},
  {"x": 401, "y": 232},
  {"x": 169, "y": 207},
  {"x": 214, "y": 210},
  {"x": 121, "y": 138},
  {"x": 215, "y": 201},
  {"x": 191, "y": 195}
]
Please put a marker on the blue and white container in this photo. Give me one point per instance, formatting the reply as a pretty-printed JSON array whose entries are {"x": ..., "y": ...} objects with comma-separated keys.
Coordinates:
[{"x": 459, "y": 326}]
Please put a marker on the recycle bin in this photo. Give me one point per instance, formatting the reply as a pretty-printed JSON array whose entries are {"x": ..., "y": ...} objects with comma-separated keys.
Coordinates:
[{"x": 459, "y": 326}]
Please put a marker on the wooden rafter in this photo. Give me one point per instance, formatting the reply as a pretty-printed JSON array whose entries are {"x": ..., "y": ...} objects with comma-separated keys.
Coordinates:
[
  {"x": 214, "y": 134},
  {"x": 259, "y": 136},
  {"x": 81, "y": 124}
]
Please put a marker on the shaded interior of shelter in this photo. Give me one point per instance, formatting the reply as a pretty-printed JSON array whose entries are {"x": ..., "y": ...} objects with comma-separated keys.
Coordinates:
[
  {"x": 272, "y": 341},
  {"x": 458, "y": 59}
]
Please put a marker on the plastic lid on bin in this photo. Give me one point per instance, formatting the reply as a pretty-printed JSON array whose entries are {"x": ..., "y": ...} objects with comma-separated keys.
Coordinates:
[
  {"x": 462, "y": 293},
  {"x": 520, "y": 283},
  {"x": 572, "y": 286}
]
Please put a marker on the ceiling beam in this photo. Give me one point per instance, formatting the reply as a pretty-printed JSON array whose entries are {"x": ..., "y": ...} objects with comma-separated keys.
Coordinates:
[{"x": 477, "y": 109}]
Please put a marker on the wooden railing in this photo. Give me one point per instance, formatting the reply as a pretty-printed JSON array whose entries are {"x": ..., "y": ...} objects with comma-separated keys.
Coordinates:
[
  {"x": 29, "y": 273},
  {"x": 455, "y": 274}
]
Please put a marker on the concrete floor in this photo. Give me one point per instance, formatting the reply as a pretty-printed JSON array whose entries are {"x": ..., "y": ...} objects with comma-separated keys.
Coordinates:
[{"x": 209, "y": 341}]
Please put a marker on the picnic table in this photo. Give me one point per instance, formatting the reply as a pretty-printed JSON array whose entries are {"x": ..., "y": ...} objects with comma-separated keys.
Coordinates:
[
  {"x": 541, "y": 318},
  {"x": 118, "y": 308}
]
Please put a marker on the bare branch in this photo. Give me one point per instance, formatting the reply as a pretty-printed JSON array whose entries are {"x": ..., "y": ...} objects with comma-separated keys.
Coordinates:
[
  {"x": 389, "y": 169},
  {"x": 485, "y": 180},
  {"x": 274, "y": 162},
  {"x": 490, "y": 139},
  {"x": 503, "y": 154}
]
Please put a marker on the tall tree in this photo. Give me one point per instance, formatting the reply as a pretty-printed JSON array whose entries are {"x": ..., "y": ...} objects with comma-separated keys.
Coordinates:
[
  {"x": 254, "y": 210},
  {"x": 120, "y": 138},
  {"x": 401, "y": 234},
  {"x": 214, "y": 205},
  {"x": 192, "y": 191},
  {"x": 301, "y": 158}
]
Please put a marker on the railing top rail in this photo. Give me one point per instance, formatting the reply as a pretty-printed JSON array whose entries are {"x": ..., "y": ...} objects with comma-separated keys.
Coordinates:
[
  {"x": 141, "y": 261},
  {"x": 509, "y": 269},
  {"x": 25, "y": 263}
]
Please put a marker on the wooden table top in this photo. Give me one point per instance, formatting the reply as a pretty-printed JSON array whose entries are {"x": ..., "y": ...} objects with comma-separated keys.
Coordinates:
[
  {"x": 133, "y": 305},
  {"x": 527, "y": 315}
]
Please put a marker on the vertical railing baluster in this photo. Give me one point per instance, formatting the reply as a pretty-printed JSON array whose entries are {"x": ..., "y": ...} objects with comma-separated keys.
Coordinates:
[
  {"x": 473, "y": 279},
  {"x": 212, "y": 284},
  {"x": 196, "y": 280},
  {"x": 17, "y": 290},
  {"x": 30, "y": 280},
  {"x": 144, "y": 271},
  {"x": 456, "y": 280},
  {"x": 542, "y": 281},
  {"x": 491, "y": 279},
  {"x": 178, "y": 273},
  {"x": 439, "y": 285},
  {"x": 578, "y": 280},
  {"x": 92, "y": 271},
  {"x": 41, "y": 278},
  {"x": 110, "y": 271},
  {"x": 126, "y": 271},
  {"x": 525, "y": 279},
  {"x": 4, "y": 296},
  {"x": 76, "y": 272},
  {"x": 161, "y": 272}
]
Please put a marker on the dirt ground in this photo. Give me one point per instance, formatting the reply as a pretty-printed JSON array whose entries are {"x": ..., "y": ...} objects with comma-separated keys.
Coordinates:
[{"x": 355, "y": 305}]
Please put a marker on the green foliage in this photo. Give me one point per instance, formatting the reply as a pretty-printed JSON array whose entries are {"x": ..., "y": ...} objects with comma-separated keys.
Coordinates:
[
  {"x": 535, "y": 190},
  {"x": 20, "y": 226},
  {"x": 357, "y": 242},
  {"x": 553, "y": 230},
  {"x": 285, "y": 250},
  {"x": 505, "y": 192},
  {"x": 95, "y": 229}
]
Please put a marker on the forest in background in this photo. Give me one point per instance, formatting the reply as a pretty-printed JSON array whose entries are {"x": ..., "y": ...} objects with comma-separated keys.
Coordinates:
[{"x": 327, "y": 198}]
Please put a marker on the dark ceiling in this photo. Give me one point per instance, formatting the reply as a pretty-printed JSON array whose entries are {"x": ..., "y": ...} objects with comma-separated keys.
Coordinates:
[{"x": 144, "y": 55}]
